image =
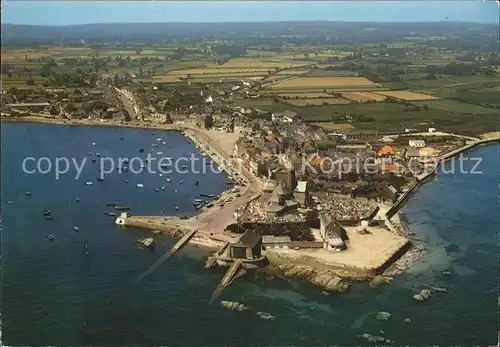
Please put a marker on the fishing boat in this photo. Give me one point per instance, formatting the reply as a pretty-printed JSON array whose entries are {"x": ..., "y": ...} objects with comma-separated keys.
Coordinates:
[
  {"x": 140, "y": 185},
  {"x": 51, "y": 237},
  {"x": 46, "y": 212}
]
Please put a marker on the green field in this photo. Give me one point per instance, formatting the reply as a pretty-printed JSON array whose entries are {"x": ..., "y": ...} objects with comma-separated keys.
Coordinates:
[{"x": 455, "y": 106}]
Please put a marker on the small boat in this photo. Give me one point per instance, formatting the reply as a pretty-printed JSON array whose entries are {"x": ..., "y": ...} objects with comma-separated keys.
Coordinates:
[
  {"x": 209, "y": 205},
  {"x": 176, "y": 207},
  {"x": 196, "y": 183},
  {"x": 77, "y": 199},
  {"x": 93, "y": 143},
  {"x": 76, "y": 229},
  {"x": 197, "y": 201},
  {"x": 163, "y": 187},
  {"x": 154, "y": 145},
  {"x": 51, "y": 237},
  {"x": 183, "y": 167},
  {"x": 140, "y": 185},
  {"x": 110, "y": 204},
  {"x": 49, "y": 217},
  {"x": 181, "y": 181},
  {"x": 111, "y": 214},
  {"x": 93, "y": 160},
  {"x": 97, "y": 155},
  {"x": 99, "y": 179},
  {"x": 158, "y": 139},
  {"x": 168, "y": 179},
  {"x": 175, "y": 190},
  {"x": 207, "y": 195},
  {"x": 163, "y": 143},
  {"x": 141, "y": 150},
  {"x": 157, "y": 189},
  {"x": 27, "y": 193},
  {"x": 142, "y": 166},
  {"x": 122, "y": 208},
  {"x": 159, "y": 153},
  {"x": 88, "y": 183},
  {"x": 161, "y": 175},
  {"x": 90, "y": 153},
  {"x": 10, "y": 202},
  {"x": 46, "y": 212},
  {"x": 126, "y": 181},
  {"x": 121, "y": 138},
  {"x": 98, "y": 169}
]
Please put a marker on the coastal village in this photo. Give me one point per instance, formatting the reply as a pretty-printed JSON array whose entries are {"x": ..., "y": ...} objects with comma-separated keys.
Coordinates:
[{"x": 314, "y": 204}]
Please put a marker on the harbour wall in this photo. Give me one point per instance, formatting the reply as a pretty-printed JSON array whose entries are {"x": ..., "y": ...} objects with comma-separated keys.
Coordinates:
[{"x": 421, "y": 179}]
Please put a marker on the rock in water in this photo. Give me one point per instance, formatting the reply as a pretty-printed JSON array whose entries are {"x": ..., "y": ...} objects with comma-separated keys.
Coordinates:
[
  {"x": 383, "y": 315},
  {"x": 234, "y": 306},
  {"x": 423, "y": 295},
  {"x": 265, "y": 315},
  {"x": 418, "y": 297},
  {"x": 379, "y": 279},
  {"x": 148, "y": 242},
  {"x": 438, "y": 289},
  {"x": 372, "y": 338},
  {"x": 326, "y": 279}
]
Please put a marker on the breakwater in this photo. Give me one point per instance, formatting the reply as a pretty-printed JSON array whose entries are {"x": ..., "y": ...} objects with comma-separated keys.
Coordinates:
[{"x": 421, "y": 179}]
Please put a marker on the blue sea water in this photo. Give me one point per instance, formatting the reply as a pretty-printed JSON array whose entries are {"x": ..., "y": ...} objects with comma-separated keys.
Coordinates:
[{"x": 54, "y": 294}]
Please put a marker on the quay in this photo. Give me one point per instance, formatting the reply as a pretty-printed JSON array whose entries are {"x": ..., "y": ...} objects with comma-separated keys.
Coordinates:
[{"x": 185, "y": 239}]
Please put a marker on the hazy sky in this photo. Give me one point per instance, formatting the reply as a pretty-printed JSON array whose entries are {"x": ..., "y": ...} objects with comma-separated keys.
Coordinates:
[{"x": 84, "y": 12}]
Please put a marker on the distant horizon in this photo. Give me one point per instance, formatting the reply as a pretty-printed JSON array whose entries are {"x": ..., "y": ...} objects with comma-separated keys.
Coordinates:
[
  {"x": 69, "y": 13},
  {"x": 235, "y": 22}
]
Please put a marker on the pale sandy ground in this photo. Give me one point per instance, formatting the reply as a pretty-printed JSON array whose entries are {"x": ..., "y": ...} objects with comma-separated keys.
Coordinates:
[
  {"x": 364, "y": 252},
  {"x": 491, "y": 135}
]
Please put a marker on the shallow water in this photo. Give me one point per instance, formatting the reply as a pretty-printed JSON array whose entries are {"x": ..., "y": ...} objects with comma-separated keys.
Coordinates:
[{"x": 54, "y": 294}]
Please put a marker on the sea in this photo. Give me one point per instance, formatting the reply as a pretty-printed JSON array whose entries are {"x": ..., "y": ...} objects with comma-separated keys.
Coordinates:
[{"x": 82, "y": 288}]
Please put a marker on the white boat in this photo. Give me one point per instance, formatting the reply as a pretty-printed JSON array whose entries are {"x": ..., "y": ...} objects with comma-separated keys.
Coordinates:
[
  {"x": 160, "y": 174},
  {"x": 159, "y": 153},
  {"x": 168, "y": 179},
  {"x": 93, "y": 143},
  {"x": 89, "y": 183},
  {"x": 140, "y": 185},
  {"x": 163, "y": 143},
  {"x": 158, "y": 139}
]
